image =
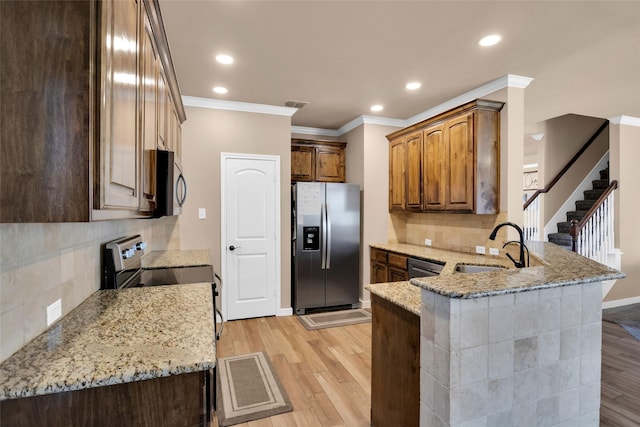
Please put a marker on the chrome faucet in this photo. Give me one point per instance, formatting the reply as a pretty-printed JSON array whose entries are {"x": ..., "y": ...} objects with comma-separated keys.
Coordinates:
[{"x": 492, "y": 236}]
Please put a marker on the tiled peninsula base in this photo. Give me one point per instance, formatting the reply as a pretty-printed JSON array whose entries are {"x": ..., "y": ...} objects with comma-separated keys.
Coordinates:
[{"x": 530, "y": 358}]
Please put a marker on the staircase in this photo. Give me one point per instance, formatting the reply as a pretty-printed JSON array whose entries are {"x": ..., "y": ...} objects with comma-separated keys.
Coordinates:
[{"x": 562, "y": 237}]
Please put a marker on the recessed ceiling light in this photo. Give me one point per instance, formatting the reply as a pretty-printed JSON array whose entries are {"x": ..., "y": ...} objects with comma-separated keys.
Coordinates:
[
  {"x": 221, "y": 90},
  {"x": 376, "y": 108},
  {"x": 490, "y": 40},
  {"x": 413, "y": 85},
  {"x": 224, "y": 59}
]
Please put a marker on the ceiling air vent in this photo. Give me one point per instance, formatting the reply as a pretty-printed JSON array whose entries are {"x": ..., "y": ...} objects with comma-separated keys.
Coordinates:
[{"x": 295, "y": 104}]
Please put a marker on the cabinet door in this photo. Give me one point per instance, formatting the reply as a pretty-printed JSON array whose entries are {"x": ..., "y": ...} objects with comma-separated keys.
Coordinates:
[
  {"x": 149, "y": 86},
  {"x": 163, "y": 108},
  {"x": 460, "y": 175},
  {"x": 379, "y": 273},
  {"x": 303, "y": 163},
  {"x": 397, "y": 160},
  {"x": 397, "y": 275},
  {"x": 119, "y": 140},
  {"x": 329, "y": 164},
  {"x": 414, "y": 172},
  {"x": 433, "y": 158}
]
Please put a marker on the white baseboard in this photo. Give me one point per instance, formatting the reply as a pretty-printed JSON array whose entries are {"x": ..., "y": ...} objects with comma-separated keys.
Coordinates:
[
  {"x": 620, "y": 302},
  {"x": 286, "y": 311},
  {"x": 365, "y": 304}
]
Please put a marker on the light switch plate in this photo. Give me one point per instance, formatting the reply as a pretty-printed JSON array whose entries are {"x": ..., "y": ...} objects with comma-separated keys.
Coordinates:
[
  {"x": 494, "y": 251},
  {"x": 54, "y": 311},
  {"x": 427, "y": 242},
  {"x": 481, "y": 250},
  {"x": 202, "y": 213}
]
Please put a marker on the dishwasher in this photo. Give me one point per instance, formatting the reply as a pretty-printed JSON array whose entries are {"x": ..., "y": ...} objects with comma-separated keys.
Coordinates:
[{"x": 423, "y": 268}]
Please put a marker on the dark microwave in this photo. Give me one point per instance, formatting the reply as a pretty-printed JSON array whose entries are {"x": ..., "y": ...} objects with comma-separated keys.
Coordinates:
[{"x": 171, "y": 187}]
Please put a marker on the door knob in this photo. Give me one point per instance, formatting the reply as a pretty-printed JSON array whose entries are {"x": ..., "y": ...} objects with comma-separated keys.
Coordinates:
[{"x": 233, "y": 248}]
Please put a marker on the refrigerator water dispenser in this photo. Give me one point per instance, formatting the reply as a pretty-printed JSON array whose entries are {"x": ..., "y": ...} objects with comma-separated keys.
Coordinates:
[{"x": 311, "y": 238}]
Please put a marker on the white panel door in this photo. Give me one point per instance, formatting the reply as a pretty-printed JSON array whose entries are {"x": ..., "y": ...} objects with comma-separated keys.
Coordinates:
[{"x": 250, "y": 214}]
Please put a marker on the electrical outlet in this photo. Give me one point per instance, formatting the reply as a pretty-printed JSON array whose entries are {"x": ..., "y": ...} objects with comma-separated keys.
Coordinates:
[
  {"x": 480, "y": 250},
  {"x": 54, "y": 311},
  {"x": 427, "y": 242},
  {"x": 202, "y": 213},
  {"x": 494, "y": 251}
]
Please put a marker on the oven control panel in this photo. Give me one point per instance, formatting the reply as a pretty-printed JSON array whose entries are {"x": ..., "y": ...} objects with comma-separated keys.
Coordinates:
[{"x": 126, "y": 253}]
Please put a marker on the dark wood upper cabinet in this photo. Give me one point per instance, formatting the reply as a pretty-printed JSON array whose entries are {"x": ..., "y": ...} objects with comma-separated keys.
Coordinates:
[
  {"x": 450, "y": 162},
  {"x": 79, "y": 89},
  {"x": 317, "y": 160}
]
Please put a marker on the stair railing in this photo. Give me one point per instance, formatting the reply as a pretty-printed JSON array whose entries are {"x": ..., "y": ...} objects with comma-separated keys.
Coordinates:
[
  {"x": 593, "y": 236},
  {"x": 532, "y": 215}
]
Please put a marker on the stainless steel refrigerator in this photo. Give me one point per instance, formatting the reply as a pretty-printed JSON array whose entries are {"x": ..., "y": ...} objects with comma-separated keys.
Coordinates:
[{"x": 326, "y": 245}]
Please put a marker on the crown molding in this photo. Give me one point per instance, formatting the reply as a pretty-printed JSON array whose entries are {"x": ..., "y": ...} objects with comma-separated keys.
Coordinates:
[
  {"x": 509, "y": 80},
  {"x": 247, "y": 107},
  {"x": 314, "y": 131},
  {"x": 626, "y": 120}
]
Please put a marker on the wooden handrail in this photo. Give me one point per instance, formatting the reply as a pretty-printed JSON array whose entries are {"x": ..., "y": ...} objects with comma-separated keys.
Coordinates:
[
  {"x": 576, "y": 227},
  {"x": 567, "y": 166}
]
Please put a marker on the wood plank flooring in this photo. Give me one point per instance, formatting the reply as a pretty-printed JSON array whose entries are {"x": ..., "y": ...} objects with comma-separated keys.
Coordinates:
[{"x": 327, "y": 373}]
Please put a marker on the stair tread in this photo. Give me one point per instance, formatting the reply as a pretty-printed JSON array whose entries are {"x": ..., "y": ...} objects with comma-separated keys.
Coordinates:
[
  {"x": 600, "y": 183},
  {"x": 593, "y": 194}
]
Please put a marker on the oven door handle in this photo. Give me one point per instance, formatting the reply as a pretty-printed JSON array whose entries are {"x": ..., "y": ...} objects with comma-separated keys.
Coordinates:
[{"x": 216, "y": 311}]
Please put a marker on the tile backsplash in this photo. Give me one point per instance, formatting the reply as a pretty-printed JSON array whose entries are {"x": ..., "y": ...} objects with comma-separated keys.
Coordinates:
[
  {"x": 460, "y": 232},
  {"x": 40, "y": 263}
]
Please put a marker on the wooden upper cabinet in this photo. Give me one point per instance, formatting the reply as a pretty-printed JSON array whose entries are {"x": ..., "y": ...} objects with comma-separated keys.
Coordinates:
[
  {"x": 397, "y": 163},
  {"x": 433, "y": 161},
  {"x": 149, "y": 95},
  {"x": 459, "y": 177},
  {"x": 317, "y": 161},
  {"x": 303, "y": 163},
  {"x": 459, "y": 161},
  {"x": 119, "y": 154},
  {"x": 413, "y": 172},
  {"x": 80, "y": 118}
]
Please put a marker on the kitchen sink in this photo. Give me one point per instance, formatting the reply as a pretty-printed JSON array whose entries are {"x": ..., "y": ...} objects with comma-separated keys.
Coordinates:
[{"x": 476, "y": 268}]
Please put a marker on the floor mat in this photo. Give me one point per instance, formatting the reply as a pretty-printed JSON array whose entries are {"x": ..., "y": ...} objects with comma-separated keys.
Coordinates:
[
  {"x": 333, "y": 319},
  {"x": 248, "y": 389}
]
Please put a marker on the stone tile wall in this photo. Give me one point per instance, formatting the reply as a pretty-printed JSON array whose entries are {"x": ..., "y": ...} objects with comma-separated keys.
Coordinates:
[
  {"x": 40, "y": 263},
  {"x": 524, "y": 359}
]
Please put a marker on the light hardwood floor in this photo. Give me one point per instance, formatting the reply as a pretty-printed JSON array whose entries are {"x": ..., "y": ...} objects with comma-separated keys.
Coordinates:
[{"x": 327, "y": 373}]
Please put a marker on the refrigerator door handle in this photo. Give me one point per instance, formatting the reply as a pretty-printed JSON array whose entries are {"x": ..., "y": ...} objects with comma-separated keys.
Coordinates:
[
  {"x": 323, "y": 243},
  {"x": 328, "y": 236}
]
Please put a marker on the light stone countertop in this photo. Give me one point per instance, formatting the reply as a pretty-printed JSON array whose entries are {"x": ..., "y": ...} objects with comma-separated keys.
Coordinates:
[
  {"x": 176, "y": 259},
  {"x": 117, "y": 336},
  {"x": 555, "y": 267}
]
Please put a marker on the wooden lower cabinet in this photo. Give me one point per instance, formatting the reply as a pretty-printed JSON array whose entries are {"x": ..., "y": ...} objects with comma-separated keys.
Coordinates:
[
  {"x": 388, "y": 266},
  {"x": 395, "y": 365},
  {"x": 177, "y": 400}
]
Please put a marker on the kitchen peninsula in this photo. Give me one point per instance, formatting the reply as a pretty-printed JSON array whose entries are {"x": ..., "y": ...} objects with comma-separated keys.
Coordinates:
[
  {"x": 120, "y": 356},
  {"x": 499, "y": 346}
]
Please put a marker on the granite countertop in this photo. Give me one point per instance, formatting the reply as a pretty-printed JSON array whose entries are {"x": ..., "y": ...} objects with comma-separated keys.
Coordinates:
[
  {"x": 403, "y": 294},
  {"x": 176, "y": 259},
  {"x": 555, "y": 267},
  {"x": 117, "y": 336}
]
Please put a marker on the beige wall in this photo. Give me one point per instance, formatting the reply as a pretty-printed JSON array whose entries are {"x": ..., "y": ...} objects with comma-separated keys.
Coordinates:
[
  {"x": 40, "y": 263},
  {"x": 206, "y": 134},
  {"x": 563, "y": 138},
  {"x": 623, "y": 157},
  {"x": 367, "y": 163}
]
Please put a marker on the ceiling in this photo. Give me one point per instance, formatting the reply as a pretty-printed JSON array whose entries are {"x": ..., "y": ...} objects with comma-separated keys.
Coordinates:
[{"x": 344, "y": 56}]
